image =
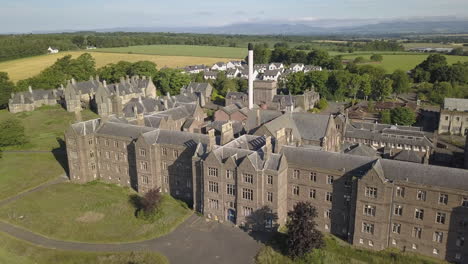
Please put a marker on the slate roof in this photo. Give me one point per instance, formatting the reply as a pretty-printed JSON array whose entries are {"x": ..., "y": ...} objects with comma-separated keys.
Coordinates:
[
  {"x": 236, "y": 126},
  {"x": 160, "y": 136},
  {"x": 408, "y": 155},
  {"x": 86, "y": 127},
  {"x": 361, "y": 150},
  {"x": 236, "y": 95},
  {"x": 456, "y": 104},
  {"x": 122, "y": 130},
  {"x": 204, "y": 88},
  {"x": 393, "y": 170},
  {"x": 265, "y": 116},
  {"x": 34, "y": 95},
  {"x": 272, "y": 73}
]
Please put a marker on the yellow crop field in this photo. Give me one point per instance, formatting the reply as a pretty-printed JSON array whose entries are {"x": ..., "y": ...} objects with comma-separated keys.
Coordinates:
[{"x": 27, "y": 67}]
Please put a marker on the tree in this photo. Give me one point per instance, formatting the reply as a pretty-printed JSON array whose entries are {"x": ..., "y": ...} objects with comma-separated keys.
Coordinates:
[
  {"x": 318, "y": 58},
  {"x": 366, "y": 86},
  {"x": 457, "y": 51},
  {"x": 6, "y": 88},
  {"x": 148, "y": 204},
  {"x": 385, "y": 117},
  {"x": 143, "y": 68},
  {"x": 322, "y": 103},
  {"x": 381, "y": 88},
  {"x": 12, "y": 133},
  {"x": 318, "y": 80},
  {"x": 401, "y": 82},
  {"x": 359, "y": 59},
  {"x": 376, "y": 57},
  {"x": 337, "y": 83},
  {"x": 354, "y": 85},
  {"x": 295, "y": 83},
  {"x": 302, "y": 233},
  {"x": 403, "y": 116},
  {"x": 170, "y": 80}
]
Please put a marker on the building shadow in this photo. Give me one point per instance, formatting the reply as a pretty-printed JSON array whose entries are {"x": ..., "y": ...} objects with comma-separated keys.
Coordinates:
[
  {"x": 262, "y": 225},
  {"x": 60, "y": 155},
  {"x": 456, "y": 244}
]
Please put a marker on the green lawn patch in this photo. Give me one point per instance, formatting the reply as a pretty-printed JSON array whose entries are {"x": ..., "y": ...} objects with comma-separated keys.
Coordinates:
[
  {"x": 182, "y": 50},
  {"x": 93, "y": 212},
  {"x": 19, "y": 252},
  {"x": 339, "y": 252}
]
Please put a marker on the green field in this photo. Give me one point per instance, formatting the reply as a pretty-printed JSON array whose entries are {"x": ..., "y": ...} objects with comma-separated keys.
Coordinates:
[
  {"x": 433, "y": 45},
  {"x": 13, "y": 251},
  {"x": 405, "y": 62},
  {"x": 339, "y": 252},
  {"x": 93, "y": 212},
  {"x": 182, "y": 50}
]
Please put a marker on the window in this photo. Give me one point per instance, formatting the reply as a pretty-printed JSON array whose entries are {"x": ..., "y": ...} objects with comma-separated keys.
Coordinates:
[
  {"x": 371, "y": 192},
  {"x": 396, "y": 228},
  {"x": 419, "y": 214},
  {"x": 143, "y": 165},
  {"x": 367, "y": 228},
  {"x": 438, "y": 236},
  {"x": 435, "y": 251},
  {"x": 270, "y": 197},
  {"x": 327, "y": 214},
  {"x": 394, "y": 242},
  {"x": 107, "y": 155},
  {"x": 398, "y": 210},
  {"x": 145, "y": 179},
  {"x": 213, "y": 187},
  {"x": 116, "y": 144},
  {"x": 371, "y": 243},
  {"x": 247, "y": 211},
  {"x": 312, "y": 193},
  {"x": 91, "y": 154},
  {"x": 231, "y": 189},
  {"x": 329, "y": 179},
  {"x": 90, "y": 141},
  {"x": 270, "y": 179},
  {"x": 106, "y": 142},
  {"x": 247, "y": 194},
  {"x": 369, "y": 210},
  {"x": 421, "y": 195},
  {"x": 400, "y": 191},
  {"x": 465, "y": 202},
  {"x": 457, "y": 256},
  {"x": 248, "y": 178},
  {"x": 296, "y": 190},
  {"x": 446, "y": 118},
  {"x": 143, "y": 152},
  {"x": 313, "y": 176},
  {"x": 443, "y": 198},
  {"x": 164, "y": 151},
  {"x": 296, "y": 174},
  {"x": 166, "y": 179},
  {"x": 213, "y": 172},
  {"x": 329, "y": 196},
  {"x": 213, "y": 204},
  {"x": 93, "y": 166},
  {"x": 175, "y": 153},
  {"x": 440, "y": 218},
  {"x": 229, "y": 174},
  {"x": 460, "y": 241},
  {"x": 414, "y": 246},
  {"x": 164, "y": 165},
  {"x": 417, "y": 231}
]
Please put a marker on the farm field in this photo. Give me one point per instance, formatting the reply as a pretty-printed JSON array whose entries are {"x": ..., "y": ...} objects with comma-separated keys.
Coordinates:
[
  {"x": 92, "y": 212},
  {"x": 182, "y": 50},
  {"x": 16, "y": 251},
  {"x": 27, "y": 67},
  {"x": 405, "y": 62},
  {"x": 433, "y": 45}
]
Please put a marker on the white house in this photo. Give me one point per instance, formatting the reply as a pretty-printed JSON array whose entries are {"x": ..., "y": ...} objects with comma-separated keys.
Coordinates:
[
  {"x": 271, "y": 75},
  {"x": 296, "y": 67},
  {"x": 219, "y": 66},
  {"x": 210, "y": 75},
  {"x": 275, "y": 66},
  {"x": 52, "y": 51},
  {"x": 261, "y": 68},
  {"x": 194, "y": 68},
  {"x": 233, "y": 64},
  {"x": 232, "y": 73},
  {"x": 309, "y": 68},
  {"x": 245, "y": 74}
]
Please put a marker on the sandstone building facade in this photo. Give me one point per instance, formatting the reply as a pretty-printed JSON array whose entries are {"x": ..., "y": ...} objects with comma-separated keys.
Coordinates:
[{"x": 454, "y": 117}]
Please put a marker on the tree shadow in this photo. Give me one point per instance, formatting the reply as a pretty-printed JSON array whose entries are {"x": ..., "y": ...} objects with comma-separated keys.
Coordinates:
[
  {"x": 136, "y": 202},
  {"x": 60, "y": 154},
  {"x": 262, "y": 225}
]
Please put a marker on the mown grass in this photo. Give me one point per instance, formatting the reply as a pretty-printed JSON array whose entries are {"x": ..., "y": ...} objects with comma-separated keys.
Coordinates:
[
  {"x": 93, "y": 212},
  {"x": 338, "y": 252},
  {"x": 18, "y": 252},
  {"x": 182, "y": 50},
  {"x": 27, "y": 67},
  {"x": 404, "y": 62}
]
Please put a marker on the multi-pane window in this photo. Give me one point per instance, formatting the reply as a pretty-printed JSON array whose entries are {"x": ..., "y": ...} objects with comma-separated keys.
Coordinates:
[
  {"x": 164, "y": 151},
  {"x": 398, "y": 210},
  {"x": 107, "y": 155},
  {"x": 106, "y": 142},
  {"x": 247, "y": 211},
  {"x": 270, "y": 197},
  {"x": 312, "y": 193},
  {"x": 270, "y": 179},
  {"x": 419, "y": 214},
  {"x": 164, "y": 165},
  {"x": 313, "y": 176},
  {"x": 367, "y": 228},
  {"x": 396, "y": 228},
  {"x": 417, "y": 231},
  {"x": 213, "y": 187},
  {"x": 400, "y": 191},
  {"x": 166, "y": 179},
  {"x": 371, "y": 192},
  {"x": 327, "y": 213},
  {"x": 248, "y": 178},
  {"x": 145, "y": 179},
  {"x": 296, "y": 190},
  {"x": 465, "y": 201},
  {"x": 296, "y": 174},
  {"x": 213, "y": 204},
  {"x": 329, "y": 179},
  {"x": 90, "y": 141},
  {"x": 229, "y": 174},
  {"x": 438, "y": 236},
  {"x": 213, "y": 172},
  {"x": 329, "y": 196},
  {"x": 443, "y": 198},
  {"x": 421, "y": 195},
  {"x": 93, "y": 166},
  {"x": 369, "y": 210},
  {"x": 440, "y": 217},
  {"x": 175, "y": 153},
  {"x": 143, "y": 152},
  {"x": 143, "y": 165},
  {"x": 116, "y": 144},
  {"x": 231, "y": 189},
  {"x": 247, "y": 194}
]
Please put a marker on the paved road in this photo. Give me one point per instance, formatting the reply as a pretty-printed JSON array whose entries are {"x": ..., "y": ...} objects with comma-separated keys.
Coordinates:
[{"x": 194, "y": 241}]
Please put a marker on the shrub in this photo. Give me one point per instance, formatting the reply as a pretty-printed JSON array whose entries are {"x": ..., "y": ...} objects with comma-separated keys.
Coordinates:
[
  {"x": 12, "y": 133},
  {"x": 376, "y": 57}
]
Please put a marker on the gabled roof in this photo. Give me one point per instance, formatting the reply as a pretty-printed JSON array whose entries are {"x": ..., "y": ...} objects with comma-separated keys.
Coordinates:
[
  {"x": 408, "y": 155},
  {"x": 456, "y": 104},
  {"x": 122, "y": 130}
]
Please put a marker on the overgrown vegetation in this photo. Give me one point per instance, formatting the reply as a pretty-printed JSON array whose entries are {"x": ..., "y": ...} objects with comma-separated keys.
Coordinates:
[
  {"x": 398, "y": 116},
  {"x": 12, "y": 133}
]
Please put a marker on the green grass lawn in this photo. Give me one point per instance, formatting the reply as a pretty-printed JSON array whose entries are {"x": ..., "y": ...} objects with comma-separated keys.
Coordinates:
[
  {"x": 403, "y": 61},
  {"x": 93, "y": 212},
  {"x": 13, "y": 251},
  {"x": 339, "y": 252},
  {"x": 182, "y": 50}
]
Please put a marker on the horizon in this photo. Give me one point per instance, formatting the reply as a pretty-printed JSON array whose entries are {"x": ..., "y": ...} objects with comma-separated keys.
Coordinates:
[{"x": 29, "y": 16}]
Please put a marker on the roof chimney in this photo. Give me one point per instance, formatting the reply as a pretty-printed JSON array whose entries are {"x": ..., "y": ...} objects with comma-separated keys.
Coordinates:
[
  {"x": 227, "y": 133},
  {"x": 212, "y": 139},
  {"x": 280, "y": 139},
  {"x": 268, "y": 147},
  {"x": 251, "y": 61},
  {"x": 257, "y": 117}
]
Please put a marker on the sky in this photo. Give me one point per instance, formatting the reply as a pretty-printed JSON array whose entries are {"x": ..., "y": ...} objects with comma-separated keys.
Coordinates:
[{"x": 51, "y": 15}]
